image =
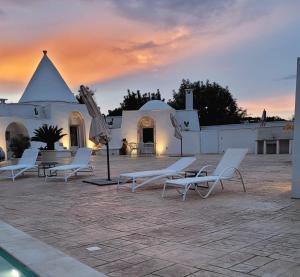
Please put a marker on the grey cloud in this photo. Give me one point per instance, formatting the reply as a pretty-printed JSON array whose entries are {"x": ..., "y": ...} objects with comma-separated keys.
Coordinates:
[
  {"x": 19, "y": 2},
  {"x": 196, "y": 13},
  {"x": 289, "y": 77},
  {"x": 146, "y": 45}
]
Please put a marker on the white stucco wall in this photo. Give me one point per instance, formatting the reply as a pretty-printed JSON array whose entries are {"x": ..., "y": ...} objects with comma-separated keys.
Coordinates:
[
  {"x": 188, "y": 116},
  {"x": 166, "y": 143},
  {"x": 59, "y": 115},
  {"x": 209, "y": 141},
  {"x": 190, "y": 144},
  {"x": 243, "y": 138},
  {"x": 163, "y": 127},
  {"x": 30, "y": 125},
  {"x": 218, "y": 140},
  {"x": 56, "y": 113}
]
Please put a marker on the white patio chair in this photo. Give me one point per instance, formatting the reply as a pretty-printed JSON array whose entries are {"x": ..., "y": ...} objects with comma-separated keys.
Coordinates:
[
  {"x": 26, "y": 162},
  {"x": 80, "y": 162},
  {"x": 226, "y": 169},
  {"x": 173, "y": 170}
]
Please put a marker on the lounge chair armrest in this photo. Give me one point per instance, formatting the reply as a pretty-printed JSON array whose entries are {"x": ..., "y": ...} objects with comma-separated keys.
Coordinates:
[
  {"x": 225, "y": 170},
  {"x": 202, "y": 169}
]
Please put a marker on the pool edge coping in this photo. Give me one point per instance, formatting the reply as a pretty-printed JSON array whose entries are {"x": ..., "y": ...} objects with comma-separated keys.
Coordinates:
[{"x": 39, "y": 257}]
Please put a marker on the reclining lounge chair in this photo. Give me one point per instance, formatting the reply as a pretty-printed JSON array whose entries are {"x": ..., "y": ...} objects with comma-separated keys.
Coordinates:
[
  {"x": 226, "y": 170},
  {"x": 151, "y": 175},
  {"x": 80, "y": 162},
  {"x": 26, "y": 162}
]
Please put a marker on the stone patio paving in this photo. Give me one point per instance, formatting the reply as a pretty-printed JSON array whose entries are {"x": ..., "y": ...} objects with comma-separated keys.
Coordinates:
[{"x": 140, "y": 234}]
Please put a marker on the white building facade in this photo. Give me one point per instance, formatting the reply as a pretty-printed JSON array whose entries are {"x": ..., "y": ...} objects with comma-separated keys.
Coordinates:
[{"x": 47, "y": 99}]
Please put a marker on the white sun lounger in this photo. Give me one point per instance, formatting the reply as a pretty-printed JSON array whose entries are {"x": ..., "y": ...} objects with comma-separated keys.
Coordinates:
[
  {"x": 226, "y": 169},
  {"x": 26, "y": 162},
  {"x": 80, "y": 162},
  {"x": 151, "y": 175}
]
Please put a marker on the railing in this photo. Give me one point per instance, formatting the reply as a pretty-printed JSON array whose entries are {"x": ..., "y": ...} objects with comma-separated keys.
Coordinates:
[{"x": 142, "y": 148}]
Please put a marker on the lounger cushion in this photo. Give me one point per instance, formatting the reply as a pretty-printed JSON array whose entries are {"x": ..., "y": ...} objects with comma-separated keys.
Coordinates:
[
  {"x": 148, "y": 173},
  {"x": 192, "y": 180},
  {"x": 68, "y": 167},
  {"x": 15, "y": 167}
]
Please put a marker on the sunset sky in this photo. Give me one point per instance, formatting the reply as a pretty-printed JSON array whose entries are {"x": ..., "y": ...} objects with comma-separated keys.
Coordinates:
[{"x": 250, "y": 46}]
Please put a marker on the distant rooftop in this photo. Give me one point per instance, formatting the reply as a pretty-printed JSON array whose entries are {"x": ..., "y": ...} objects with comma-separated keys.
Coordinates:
[
  {"x": 47, "y": 85},
  {"x": 155, "y": 105}
]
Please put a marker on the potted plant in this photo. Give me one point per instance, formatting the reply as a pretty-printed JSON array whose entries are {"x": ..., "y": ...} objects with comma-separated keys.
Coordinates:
[
  {"x": 186, "y": 125},
  {"x": 48, "y": 134}
]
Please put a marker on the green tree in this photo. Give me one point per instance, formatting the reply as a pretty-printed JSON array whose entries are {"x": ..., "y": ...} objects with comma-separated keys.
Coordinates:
[
  {"x": 135, "y": 100},
  {"x": 214, "y": 103}
]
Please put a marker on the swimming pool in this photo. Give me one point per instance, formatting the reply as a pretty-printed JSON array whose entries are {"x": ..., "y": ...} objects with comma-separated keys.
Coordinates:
[{"x": 10, "y": 267}]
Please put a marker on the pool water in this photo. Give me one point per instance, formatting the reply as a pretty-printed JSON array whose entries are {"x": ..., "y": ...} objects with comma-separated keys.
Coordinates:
[{"x": 10, "y": 267}]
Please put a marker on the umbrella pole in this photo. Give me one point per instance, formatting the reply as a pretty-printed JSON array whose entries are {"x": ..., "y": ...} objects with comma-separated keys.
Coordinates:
[
  {"x": 181, "y": 147},
  {"x": 107, "y": 161}
]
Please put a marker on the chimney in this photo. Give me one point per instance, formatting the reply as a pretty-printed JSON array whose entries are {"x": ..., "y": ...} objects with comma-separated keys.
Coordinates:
[{"x": 188, "y": 99}]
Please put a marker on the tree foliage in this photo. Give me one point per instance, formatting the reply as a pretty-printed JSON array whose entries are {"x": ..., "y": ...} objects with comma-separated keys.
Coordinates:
[
  {"x": 257, "y": 119},
  {"x": 135, "y": 100},
  {"x": 81, "y": 89},
  {"x": 48, "y": 134},
  {"x": 18, "y": 144},
  {"x": 214, "y": 103}
]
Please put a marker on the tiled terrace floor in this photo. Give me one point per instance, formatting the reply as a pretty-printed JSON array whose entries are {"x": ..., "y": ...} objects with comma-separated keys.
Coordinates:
[{"x": 140, "y": 234}]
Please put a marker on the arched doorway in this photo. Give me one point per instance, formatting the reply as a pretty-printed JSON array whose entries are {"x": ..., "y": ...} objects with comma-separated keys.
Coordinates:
[
  {"x": 14, "y": 130},
  {"x": 77, "y": 130},
  {"x": 146, "y": 135}
]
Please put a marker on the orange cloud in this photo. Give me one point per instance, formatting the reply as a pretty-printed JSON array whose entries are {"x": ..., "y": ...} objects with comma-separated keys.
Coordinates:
[{"x": 83, "y": 57}]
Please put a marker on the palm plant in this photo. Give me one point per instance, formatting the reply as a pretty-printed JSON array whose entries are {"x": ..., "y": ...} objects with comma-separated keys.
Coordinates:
[{"x": 48, "y": 134}]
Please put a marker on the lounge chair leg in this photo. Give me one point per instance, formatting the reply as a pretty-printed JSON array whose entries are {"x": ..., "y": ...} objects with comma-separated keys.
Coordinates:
[
  {"x": 243, "y": 184},
  {"x": 133, "y": 185},
  {"x": 164, "y": 191},
  {"x": 118, "y": 184},
  {"x": 222, "y": 184},
  {"x": 242, "y": 180},
  {"x": 12, "y": 175},
  {"x": 184, "y": 193}
]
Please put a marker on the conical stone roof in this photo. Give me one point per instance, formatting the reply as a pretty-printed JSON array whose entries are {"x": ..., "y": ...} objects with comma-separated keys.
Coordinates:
[{"x": 47, "y": 85}]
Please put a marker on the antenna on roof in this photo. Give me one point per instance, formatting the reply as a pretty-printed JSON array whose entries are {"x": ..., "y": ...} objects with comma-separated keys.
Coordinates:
[{"x": 45, "y": 52}]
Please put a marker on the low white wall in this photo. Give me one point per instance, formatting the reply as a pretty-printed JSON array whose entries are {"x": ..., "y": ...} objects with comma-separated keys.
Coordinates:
[
  {"x": 209, "y": 141},
  {"x": 243, "y": 138},
  {"x": 218, "y": 140},
  {"x": 190, "y": 144}
]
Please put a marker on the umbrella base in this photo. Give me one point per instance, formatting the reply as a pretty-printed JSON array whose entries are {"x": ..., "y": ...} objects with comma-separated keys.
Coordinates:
[
  {"x": 101, "y": 182},
  {"x": 184, "y": 155}
]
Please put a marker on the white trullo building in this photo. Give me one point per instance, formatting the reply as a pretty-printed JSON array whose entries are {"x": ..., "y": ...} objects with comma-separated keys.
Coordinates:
[
  {"x": 47, "y": 99},
  {"x": 151, "y": 131}
]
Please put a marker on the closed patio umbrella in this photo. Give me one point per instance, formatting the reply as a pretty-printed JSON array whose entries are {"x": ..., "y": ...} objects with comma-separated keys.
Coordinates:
[
  {"x": 177, "y": 130},
  {"x": 99, "y": 131}
]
